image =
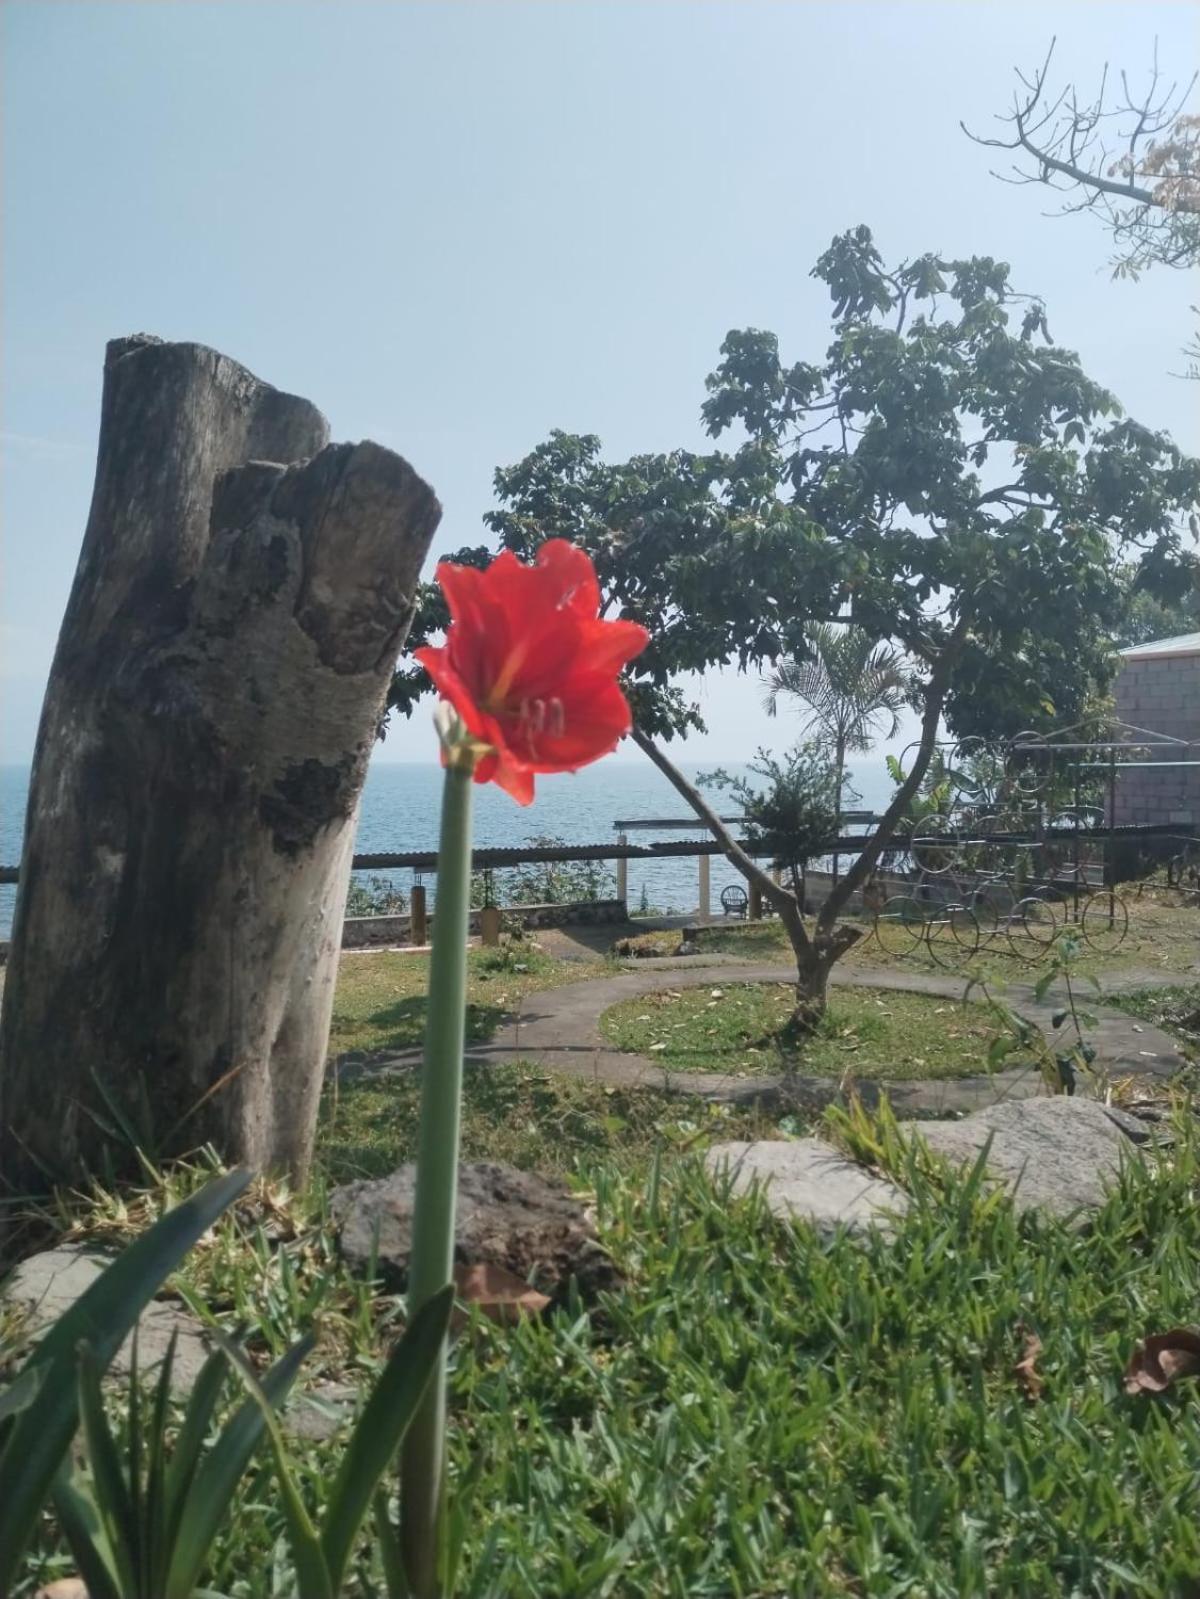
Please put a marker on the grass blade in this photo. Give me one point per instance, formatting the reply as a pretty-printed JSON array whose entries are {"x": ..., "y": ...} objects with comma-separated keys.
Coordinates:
[
  {"x": 102, "y": 1317},
  {"x": 207, "y": 1490},
  {"x": 381, "y": 1428}
]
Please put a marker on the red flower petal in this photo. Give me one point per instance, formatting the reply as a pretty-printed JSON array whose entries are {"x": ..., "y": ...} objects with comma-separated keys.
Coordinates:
[{"x": 530, "y": 666}]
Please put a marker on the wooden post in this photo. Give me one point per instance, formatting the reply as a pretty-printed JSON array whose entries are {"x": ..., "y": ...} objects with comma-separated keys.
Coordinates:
[
  {"x": 754, "y": 914},
  {"x": 623, "y": 873},
  {"x": 705, "y": 896},
  {"x": 418, "y": 926},
  {"x": 489, "y": 926},
  {"x": 242, "y": 594}
]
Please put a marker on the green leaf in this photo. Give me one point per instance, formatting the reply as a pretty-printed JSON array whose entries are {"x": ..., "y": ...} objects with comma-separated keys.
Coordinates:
[
  {"x": 381, "y": 1428},
  {"x": 1059, "y": 1018},
  {"x": 312, "y": 1575},
  {"x": 189, "y": 1445},
  {"x": 391, "y": 1556},
  {"x": 207, "y": 1490},
  {"x": 155, "y": 1544},
  {"x": 88, "y": 1540},
  {"x": 102, "y": 1317},
  {"x": 110, "y": 1490}
]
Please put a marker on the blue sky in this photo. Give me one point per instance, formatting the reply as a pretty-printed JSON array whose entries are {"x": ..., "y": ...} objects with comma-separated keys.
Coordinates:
[{"x": 455, "y": 227}]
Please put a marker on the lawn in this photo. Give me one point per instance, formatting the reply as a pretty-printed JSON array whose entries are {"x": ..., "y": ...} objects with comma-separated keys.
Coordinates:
[
  {"x": 759, "y": 1411},
  {"x": 525, "y": 1115},
  {"x": 743, "y": 1028},
  {"x": 380, "y": 999},
  {"x": 763, "y": 1412},
  {"x": 1160, "y": 938}
]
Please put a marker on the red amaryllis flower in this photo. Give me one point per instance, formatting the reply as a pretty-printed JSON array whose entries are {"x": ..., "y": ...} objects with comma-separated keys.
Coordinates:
[{"x": 530, "y": 667}]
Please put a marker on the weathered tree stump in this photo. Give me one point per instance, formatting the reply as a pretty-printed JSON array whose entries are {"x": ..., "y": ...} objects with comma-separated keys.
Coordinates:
[{"x": 242, "y": 594}]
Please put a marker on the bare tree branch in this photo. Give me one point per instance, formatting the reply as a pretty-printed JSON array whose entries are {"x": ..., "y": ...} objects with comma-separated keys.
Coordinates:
[{"x": 1145, "y": 185}]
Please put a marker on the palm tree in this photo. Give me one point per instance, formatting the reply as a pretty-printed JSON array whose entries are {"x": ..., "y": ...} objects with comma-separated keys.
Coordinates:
[{"x": 852, "y": 685}]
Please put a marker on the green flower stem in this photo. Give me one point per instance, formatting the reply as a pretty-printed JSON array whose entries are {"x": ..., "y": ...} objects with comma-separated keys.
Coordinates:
[{"x": 423, "y": 1458}]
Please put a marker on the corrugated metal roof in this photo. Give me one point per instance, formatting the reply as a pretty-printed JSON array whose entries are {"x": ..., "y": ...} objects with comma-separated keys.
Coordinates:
[{"x": 1182, "y": 644}]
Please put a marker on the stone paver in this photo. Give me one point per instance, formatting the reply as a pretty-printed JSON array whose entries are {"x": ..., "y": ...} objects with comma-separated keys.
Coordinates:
[
  {"x": 45, "y": 1285},
  {"x": 1059, "y": 1154},
  {"x": 805, "y": 1179},
  {"x": 559, "y": 1028}
]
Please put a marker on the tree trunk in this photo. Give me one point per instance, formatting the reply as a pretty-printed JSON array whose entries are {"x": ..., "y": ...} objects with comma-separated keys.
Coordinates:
[
  {"x": 243, "y": 591},
  {"x": 813, "y": 966},
  {"x": 817, "y": 953}
]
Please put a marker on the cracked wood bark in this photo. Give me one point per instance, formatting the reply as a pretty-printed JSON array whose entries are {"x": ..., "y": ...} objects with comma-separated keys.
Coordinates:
[{"x": 242, "y": 593}]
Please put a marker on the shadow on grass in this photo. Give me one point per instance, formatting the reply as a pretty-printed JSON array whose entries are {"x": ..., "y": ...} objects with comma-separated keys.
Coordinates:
[
  {"x": 519, "y": 1113},
  {"x": 401, "y": 1025}
]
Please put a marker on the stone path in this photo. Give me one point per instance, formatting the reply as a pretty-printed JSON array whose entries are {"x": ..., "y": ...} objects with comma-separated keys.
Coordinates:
[{"x": 559, "y": 1028}]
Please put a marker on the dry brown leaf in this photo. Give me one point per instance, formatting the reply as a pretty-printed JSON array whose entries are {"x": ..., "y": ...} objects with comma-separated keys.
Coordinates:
[
  {"x": 501, "y": 1295},
  {"x": 1030, "y": 1378},
  {"x": 1160, "y": 1359}
]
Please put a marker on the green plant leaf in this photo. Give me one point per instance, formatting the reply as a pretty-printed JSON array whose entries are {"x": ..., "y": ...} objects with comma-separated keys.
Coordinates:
[
  {"x": 102, "y": 1317},
  {"x": 155, "y": 1545},
  {"x": 391, "y": 1556},
  {"x": 189, "y": 1445},
  {"x": 381, "y": 1428},
  {"x": 88, "y": 1540},
  {"x": 1059, "y": 1018},
  {"x": 110, "y": 1490},
  {"x": 312, "y": 1575},
  {"x": 202, "y": 1493}
]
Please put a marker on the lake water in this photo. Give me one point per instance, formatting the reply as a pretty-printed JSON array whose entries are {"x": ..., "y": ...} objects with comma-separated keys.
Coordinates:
[{"x": 400, "y": 812}]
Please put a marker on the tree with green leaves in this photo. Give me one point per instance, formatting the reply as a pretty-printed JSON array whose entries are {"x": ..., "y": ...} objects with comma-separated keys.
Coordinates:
[
  {"x": 946, "y": 479},
  {"x": 853, "y": 689},
  {"x": 1146, "y": 619},
  {"x": 790, "y": 806}
]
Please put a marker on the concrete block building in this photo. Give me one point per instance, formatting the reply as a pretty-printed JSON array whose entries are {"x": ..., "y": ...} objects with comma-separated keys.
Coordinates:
[{"x": 1158, "y": 690}]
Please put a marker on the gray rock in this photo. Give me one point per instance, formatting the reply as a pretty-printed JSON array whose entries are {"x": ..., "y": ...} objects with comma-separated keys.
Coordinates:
[
  {"x": 807, "y": 1180},
  {"x": 506, "y": 1217},
  {"x": 44, "y": 1286},
  {"x": 320, "y": 1412},
  {"x": 1056, "y": 1154}
]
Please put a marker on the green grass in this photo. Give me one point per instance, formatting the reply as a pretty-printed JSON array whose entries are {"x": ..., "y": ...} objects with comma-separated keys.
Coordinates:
[
  {"x": 380, "y": 1000},
  {"x": 763, "y": 1412},
  {"x": 1161, "y": 938},
  {"x": 525, "y": 1115},
  {"x": 742, "y": 1028}
]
